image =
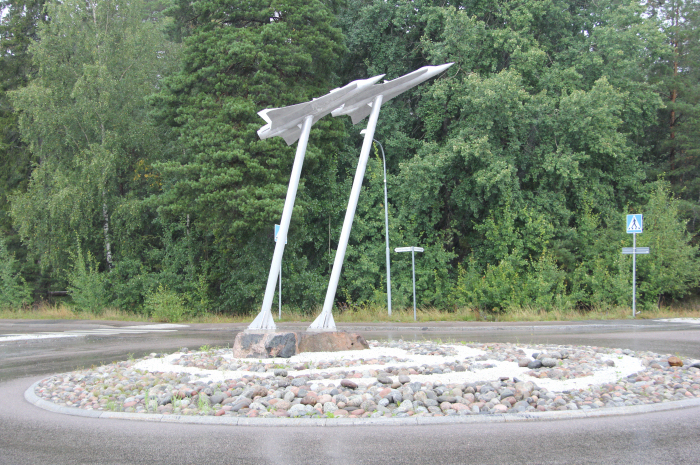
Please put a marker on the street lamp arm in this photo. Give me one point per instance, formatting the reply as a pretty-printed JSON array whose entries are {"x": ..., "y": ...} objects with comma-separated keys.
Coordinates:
[
  {"x": 382, "y": 148},
  {"x": 383, "y": 159}
]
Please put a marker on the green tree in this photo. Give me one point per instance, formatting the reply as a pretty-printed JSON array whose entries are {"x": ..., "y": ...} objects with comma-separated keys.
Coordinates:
[
  {"x": 543, "y": 115},
  {"x": 86, "y": 285},
  {"x": 18, "y": 30},
  {"x": 13, "y": 289},
  {"x": 671, "y": 270},
  {"x": 386, "y": 38},
  {"x": 677, "y": 135},
  {"x": 239, "y": 59},
  {"x": 85, "y": 119}
]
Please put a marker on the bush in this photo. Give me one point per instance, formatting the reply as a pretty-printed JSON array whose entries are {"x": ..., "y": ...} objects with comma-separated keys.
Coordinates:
[
  {"x": 493, "y": 289},
  {"x": 14, "y": 291},
  {"x": 128, "y": 283},
  {"x": 544, "y": 285},
  {"x": 86, "y": 285},
  {"x": 165, "y": 305},
  {"x": 513, "y": 283}
]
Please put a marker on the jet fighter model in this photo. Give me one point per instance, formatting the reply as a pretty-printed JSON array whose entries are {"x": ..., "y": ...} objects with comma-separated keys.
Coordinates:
[
  {"x": 365, "y": 103},
  {"x": 286, "y": 122},
  {"x": 359, "y": 106},
  {"x": 358, "y": 99}
]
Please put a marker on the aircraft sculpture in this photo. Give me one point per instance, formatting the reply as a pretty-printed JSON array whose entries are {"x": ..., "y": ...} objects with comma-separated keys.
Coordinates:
[
  {"x": 358, "y": 99},
  {"x": 287, "y": 122}
]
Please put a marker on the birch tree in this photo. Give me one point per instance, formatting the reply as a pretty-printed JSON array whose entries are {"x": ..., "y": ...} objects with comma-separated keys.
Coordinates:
[{"x": 85, "y": 119}]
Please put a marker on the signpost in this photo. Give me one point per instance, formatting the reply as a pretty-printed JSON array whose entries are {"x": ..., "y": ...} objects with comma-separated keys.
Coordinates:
[
  {"x": 413, "y": 251},
  {"x": 634, "y": 227},
  {"x": 279, "y": 294}
]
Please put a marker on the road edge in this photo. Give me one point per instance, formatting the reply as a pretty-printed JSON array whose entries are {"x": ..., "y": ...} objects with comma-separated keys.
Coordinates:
[{"x": 32, "y": 398}]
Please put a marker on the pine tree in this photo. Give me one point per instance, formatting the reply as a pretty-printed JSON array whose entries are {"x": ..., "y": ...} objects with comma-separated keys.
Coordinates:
[
  {"x": 240, "y": 58},
  {"x": 678, "y": 131}
]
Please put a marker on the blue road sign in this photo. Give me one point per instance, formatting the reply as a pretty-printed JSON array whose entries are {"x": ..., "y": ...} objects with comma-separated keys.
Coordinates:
[
  {"x": 634, "y": 224},
  {"x": 277, "y": 231}
]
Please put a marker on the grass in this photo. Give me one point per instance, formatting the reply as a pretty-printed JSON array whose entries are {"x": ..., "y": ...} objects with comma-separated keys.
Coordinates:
[
  {"x": 45, "y": 311},
  {"x": 372, "y": 314}
]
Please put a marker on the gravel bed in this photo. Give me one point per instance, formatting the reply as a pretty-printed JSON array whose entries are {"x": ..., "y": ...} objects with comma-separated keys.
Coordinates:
[{"x": 391, "y": 379}]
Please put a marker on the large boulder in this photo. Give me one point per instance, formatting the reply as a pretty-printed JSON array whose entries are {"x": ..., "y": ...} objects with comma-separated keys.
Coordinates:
[
  {"x": 331, "y": 342},
  {"x": 266, "y": 344}
]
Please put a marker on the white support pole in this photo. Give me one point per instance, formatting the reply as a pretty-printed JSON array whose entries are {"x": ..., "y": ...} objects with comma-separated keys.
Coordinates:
[
  {"x": 634, "y": 275},
  {"x": 279, "y": 294},
  {"x": 386, "y": 235},
  {"x": 413, "y": 268},
  {"x": 325, "y": 321},
  {"x": 264, "y": 319}
]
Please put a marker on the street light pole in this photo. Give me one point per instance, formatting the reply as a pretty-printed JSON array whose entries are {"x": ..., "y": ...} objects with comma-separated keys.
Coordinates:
[{"x": 386, "y": 234}]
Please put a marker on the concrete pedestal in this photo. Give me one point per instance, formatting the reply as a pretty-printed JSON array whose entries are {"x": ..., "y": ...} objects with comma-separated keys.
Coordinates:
[{"x": 267, "y": 344}]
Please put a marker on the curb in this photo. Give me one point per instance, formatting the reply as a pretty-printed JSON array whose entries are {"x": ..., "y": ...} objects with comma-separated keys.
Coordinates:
[
  {"x": 352, "y": 327},
  {"x": 33, "y": 399}
]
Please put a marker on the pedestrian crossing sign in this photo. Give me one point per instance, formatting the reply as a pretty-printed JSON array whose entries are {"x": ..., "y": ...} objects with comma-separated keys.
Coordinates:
[
  {"x": 277, "y": 231},
  {"x": 634, "y": 224}
]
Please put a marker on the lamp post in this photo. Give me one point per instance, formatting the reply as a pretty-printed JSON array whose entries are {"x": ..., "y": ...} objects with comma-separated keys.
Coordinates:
[{"x": 386, "y": 224}]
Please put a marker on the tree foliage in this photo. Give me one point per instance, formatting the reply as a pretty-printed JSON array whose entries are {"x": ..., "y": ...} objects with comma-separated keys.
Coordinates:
[
  {"x": 18, "y": 30},
  {"x": 14, "y": 291},
  {"x": 514, "y": 169},
  {"x": 86, "y": 285},
  {"x": 239, "y": 59},
  {"x": 85, "y": 120},
  {"x": 677, "y": 131}
]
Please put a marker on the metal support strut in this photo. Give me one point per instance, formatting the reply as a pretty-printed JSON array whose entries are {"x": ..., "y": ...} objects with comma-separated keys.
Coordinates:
[
  {"x": 325, "y": 321},
  {"x": 264, "y": 320}
]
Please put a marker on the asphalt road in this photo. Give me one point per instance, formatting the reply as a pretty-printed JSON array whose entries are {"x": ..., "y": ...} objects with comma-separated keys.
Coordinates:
[{"x": 31, "y": 435}]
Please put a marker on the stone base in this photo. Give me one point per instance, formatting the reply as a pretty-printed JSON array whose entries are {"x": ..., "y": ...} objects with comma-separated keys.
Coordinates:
[
  {"x": 331, "y": 341},
  {"x": 263, "y": 344}
]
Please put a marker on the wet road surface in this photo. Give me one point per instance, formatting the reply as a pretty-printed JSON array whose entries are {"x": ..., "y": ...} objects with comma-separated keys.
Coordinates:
[{"x": 31, "y": 435}]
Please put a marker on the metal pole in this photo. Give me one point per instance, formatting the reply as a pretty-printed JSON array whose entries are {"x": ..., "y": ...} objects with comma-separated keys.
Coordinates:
[
  {"x": 386, "y": 234},
  {"x": 264, "y": 319},
  {"x": 413, "y": 266},
  {"x": 634, "y": 275},
  {"x": 386, "y": 230},
  {"x": 325, "y": 319},
  {"x": 280, "y": 293}
]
